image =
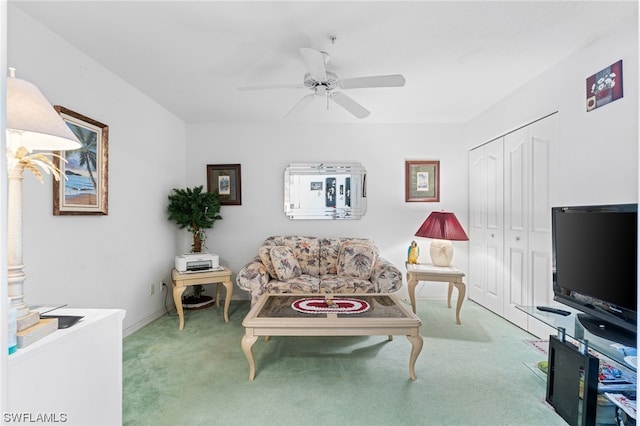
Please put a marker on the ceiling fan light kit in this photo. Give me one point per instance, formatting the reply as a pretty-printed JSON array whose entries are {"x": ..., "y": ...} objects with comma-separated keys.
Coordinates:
[{"x": 324, "y": 83}]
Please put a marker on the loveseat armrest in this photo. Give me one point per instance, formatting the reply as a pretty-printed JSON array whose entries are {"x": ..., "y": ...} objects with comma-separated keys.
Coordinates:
[
  {"x": 385, "y": 276},
  {"x": 253, "y": 277}
]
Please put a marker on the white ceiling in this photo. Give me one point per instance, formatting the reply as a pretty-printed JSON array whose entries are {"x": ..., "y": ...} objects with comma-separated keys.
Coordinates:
[{"x": 458, "y": 57}]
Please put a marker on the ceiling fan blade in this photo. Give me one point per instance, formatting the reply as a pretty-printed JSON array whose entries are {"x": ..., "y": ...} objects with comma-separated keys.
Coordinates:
[
  {"x": 301, "y": 104},
  {"x": 272, "y": 86},
  {"x": 393, "y": 80},
  {"x": 315, "y": 62},
  {"x": 350, "y": 105}
]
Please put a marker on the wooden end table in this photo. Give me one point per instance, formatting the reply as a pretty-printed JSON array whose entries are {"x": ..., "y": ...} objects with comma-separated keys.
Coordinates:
[
  {"x": 427, "y": 272},
  {"x": 182, "y": 280}
]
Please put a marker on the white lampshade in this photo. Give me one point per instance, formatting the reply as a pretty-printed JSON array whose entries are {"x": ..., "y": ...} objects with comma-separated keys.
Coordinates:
[{"x": 30, "y": 114}]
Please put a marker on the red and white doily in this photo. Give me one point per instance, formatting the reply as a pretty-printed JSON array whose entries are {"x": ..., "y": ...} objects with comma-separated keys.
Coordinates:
[{"x": 319, "y": 305}]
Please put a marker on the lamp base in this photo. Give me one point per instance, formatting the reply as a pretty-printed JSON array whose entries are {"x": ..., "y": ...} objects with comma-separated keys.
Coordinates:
[{"x": 441, "y": 252}]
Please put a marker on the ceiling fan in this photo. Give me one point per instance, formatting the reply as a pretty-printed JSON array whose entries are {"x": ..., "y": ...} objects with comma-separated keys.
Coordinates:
[{"x": 326, "y": 84}]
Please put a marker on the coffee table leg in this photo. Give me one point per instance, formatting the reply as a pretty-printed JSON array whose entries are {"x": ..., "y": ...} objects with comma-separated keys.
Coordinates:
[
  {"x": 416, "y": 347},
  {"x": 247, "y": 348}
]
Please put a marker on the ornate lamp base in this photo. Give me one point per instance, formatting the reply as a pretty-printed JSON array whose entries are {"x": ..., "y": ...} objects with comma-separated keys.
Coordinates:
[{"x": 441, "y": 252}]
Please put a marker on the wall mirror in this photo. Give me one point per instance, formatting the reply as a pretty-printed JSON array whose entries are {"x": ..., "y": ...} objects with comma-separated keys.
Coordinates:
[{"x": 325, "y": 191}]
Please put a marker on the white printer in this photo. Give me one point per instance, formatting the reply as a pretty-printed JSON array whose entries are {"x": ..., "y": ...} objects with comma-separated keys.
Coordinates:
[{"x": 197, "y": 262}]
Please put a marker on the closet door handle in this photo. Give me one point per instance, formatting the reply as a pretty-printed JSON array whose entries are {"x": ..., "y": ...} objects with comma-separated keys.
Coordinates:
[{"x": 517, "y": 238}]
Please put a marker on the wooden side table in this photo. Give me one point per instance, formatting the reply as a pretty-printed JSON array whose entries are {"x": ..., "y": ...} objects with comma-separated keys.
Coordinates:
[
  {"x": 427, "y": 272},
  {"x": 181, "y": 281}
]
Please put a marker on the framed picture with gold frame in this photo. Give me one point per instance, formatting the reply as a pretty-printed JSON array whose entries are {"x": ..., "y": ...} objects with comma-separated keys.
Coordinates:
[
  {"x": 422, "y": 181},
  {"x": 83, "y": 186}
]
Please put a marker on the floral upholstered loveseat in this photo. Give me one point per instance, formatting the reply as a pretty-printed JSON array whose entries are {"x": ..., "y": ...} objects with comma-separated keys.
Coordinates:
[{"x": 297, "y": 264}]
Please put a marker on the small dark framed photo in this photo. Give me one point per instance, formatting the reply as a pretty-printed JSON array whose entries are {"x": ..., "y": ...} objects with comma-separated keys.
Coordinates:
[{"x": 225, "y": 179}]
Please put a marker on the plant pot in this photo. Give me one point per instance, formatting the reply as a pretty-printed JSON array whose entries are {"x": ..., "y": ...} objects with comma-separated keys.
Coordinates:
[{"x": 194, "y": 303}]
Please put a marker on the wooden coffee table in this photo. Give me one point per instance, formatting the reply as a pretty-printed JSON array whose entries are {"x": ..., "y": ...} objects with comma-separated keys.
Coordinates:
[{"x": 273, "y": 315}]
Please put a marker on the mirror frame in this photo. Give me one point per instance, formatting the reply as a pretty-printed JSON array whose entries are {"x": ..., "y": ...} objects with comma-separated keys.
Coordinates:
[{"x": 344, "y": 186}]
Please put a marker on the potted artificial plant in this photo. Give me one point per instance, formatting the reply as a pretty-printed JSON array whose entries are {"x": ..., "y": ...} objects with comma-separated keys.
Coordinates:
[{"x": 196, "y": 210}]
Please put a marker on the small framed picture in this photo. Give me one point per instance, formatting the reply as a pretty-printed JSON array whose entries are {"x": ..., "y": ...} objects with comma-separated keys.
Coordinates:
[
  {"x": 605, "y": 86},
  {"x": 422, "y": 181},
  {"x": 84, "y": 188},
  {"x": 225, "y": 180}
]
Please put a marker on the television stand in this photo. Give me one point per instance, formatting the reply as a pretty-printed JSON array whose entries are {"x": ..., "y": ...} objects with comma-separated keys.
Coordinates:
[
  {"x": 576, "y": 330},
  {"x": 573, "y": 363},
  {"x": 606, "y": 330}
]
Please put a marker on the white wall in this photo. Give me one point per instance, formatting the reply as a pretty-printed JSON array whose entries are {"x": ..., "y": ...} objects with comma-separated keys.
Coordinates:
[
  {"x": 265, "y": 150},
  {"x": 596, "y": 158},
  {"x": 100, "y": 261}
]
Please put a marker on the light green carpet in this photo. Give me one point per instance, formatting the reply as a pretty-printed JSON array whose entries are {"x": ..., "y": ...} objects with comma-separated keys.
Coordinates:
[{"x": 471, "y": 374}]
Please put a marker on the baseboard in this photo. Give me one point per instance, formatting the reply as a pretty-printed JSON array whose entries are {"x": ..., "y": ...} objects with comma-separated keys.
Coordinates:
[{"x": 145, "y": 321}]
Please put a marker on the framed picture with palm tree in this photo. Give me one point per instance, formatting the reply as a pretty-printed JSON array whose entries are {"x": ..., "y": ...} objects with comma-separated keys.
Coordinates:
[{"x": 84, "y": 190}]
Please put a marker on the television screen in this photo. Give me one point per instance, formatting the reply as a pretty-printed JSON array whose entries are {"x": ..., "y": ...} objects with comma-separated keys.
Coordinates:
[{"x": 595, "y": 261}]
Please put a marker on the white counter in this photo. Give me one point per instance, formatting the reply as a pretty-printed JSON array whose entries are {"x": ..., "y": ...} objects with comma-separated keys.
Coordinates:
[{"x": 72, "y": 376}]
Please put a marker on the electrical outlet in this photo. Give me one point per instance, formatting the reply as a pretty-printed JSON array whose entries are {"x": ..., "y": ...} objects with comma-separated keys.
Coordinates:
[
  {"x": 164, "y": 286},
  {"x": 152, "y": 289}
]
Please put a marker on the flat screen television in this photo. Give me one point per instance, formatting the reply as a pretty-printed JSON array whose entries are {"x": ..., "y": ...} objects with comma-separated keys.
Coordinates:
[{"x": 595, "y": 267}]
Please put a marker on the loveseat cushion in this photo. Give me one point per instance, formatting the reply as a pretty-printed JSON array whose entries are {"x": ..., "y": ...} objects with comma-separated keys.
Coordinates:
[
  {"x": 301, "y": 284},
  {"x": 264, "y": 252},
  {"x": 355, "y": 260},
  {"x": 284, "y": 263},
  {"x": 334, "y": 284},
  {"x": 329, "y": 249},
  {"x": 305, "y": 249}
]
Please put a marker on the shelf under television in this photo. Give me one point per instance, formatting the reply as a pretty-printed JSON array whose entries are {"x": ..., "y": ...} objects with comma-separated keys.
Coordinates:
[{"x": 573, "y": 329}]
